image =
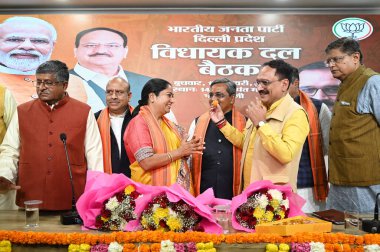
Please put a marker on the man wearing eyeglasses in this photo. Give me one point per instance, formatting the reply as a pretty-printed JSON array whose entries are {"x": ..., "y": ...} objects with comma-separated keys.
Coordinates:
[
  {"x": 32, "y": 153},
  {"x": 354, "y": 158},
  {"x": 219, "y": 165},
  {"x": 275, "y": 132},
  {"x": 112, "y": 122},
  {"x": 317, "y": 82},
  {"x": 312, "y": 174}
]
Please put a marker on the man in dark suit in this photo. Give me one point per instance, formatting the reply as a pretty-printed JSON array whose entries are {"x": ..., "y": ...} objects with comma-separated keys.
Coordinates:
[{"x": 112, "y": 122}]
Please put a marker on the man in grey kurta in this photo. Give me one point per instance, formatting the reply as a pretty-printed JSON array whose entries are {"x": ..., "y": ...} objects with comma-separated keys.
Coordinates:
[{"x": 354, "y": 152}]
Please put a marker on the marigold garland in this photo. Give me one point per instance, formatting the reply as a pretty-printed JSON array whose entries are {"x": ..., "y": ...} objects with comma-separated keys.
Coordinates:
[{"x": 333, "y": 241}]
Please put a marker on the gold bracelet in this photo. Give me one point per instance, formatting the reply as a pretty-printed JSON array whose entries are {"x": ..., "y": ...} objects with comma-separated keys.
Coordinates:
[{"x": 170, "y": 157}]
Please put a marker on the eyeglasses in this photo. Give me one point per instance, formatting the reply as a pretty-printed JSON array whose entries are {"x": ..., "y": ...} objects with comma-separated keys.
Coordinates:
[
  {"x": 264, "y": 83},
  {"x": 96, "y": 45},
  {"x": 328, "y": 90},
  {"x": 118, "y": 93},
  {"x": 47, "y": 83},
  {"x": 218, "y": 95},
  {"x": 335, "y": 60}
]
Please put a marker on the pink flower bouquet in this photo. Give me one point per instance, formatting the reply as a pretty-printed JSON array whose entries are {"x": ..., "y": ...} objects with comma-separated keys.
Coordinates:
[
  {"x": 109, "y": 201},
  {"x": 173, "y": 209},
  {"x": 264, "y": 202}
]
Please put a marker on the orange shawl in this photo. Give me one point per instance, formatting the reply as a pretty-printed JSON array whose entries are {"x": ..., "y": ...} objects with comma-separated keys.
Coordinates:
[
  {"x": 315, "y": 141},
  {"x": 162, "y": 176},
  {"x": 104, "y": 125}
]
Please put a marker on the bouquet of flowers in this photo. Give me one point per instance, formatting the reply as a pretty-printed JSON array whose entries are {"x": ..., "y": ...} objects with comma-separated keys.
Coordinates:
[
  {"x": 109, "y": 201},
  {"x": 118, "y": 210},
  {"x": 264, "y": 202},
  {"x": 173, "y": 209},
  {"x": 161, "y": 214},
  {"x": 261, "y": 207}
]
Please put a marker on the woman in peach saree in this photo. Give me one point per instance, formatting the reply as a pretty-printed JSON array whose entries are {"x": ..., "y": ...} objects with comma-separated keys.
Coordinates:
[{"x": 156, "y": 147}]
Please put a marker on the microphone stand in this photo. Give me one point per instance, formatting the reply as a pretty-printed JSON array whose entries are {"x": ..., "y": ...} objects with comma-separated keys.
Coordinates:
[
  {"x": 70, "y": 217},
  {"x": 373, "y": 226}
]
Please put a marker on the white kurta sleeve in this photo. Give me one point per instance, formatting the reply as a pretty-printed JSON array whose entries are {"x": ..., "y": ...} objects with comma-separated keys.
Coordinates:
[
  {"x": 10, "y": 150},
  {"x": 93, "y": 145}
]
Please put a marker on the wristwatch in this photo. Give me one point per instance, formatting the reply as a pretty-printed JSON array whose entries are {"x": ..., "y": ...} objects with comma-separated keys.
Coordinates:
[{"x": 261, "y": 123}]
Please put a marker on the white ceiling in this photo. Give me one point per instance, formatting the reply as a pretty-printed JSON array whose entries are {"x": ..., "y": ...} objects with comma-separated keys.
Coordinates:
[{"x": 189, "y": 5}]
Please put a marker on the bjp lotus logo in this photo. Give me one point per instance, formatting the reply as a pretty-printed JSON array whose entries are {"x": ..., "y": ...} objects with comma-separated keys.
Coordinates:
[{"x": 356, "y": 28}]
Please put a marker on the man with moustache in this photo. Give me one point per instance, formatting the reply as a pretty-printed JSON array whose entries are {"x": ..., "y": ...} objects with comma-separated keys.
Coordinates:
[
  {"x": 32, "y": 153},
  {"x": 25, "y": 43},
  {"x": 354, "y": 145},
  {"x": 275, "y": 132},
  {"x": 112, "y": 122},
  {"x": 99, "y": 52},
  {"x": 219, "y": 165},
  {"x": 318, "y": 83}
]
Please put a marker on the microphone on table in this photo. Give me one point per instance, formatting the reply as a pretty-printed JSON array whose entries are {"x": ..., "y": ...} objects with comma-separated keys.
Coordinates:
[
  {"x": 72, "y": 216},
  {"x": 373, "y": 226}
]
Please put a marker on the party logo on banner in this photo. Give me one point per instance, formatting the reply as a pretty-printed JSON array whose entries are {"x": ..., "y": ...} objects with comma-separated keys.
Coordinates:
[{"x": 356, "y": 28}]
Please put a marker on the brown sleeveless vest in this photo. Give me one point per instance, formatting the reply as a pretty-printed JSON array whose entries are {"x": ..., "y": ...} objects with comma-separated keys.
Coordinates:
[
  {"x": 354, "y": 156},
  {"x": 43, "y": 173}
]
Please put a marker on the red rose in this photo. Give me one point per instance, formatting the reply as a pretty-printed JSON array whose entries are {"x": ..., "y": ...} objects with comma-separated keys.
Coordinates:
[
  {"x": 277, "y": 217},
  {"x": 283, "y": 196},
  {"x": 269, "y": 208},
  {"x": 134, "y": 195},
  {"x": 105, "y": 213},
  {"x": 252, "y": 222},
  {"x": 162, "y": 223},
  {"x": 98, "y": 222},
  {"x": 120, "y": 196}
]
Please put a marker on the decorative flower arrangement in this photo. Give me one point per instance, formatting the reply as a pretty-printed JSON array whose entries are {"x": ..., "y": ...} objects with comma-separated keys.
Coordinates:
[
  {"x": 264, "y": 202},
  {"x": 161, "y": 214},
  {"x": 308, "y": 247},
  {"x": 5, "y": 246},
  {"x": 271, "y": 247},
  {"x": 205, "y": 247},
  {"x": 372, "y": 248},
  {"x": 149, "y": 241},
  {"x": 79, "y": 248},
  {"x": 296, "y": 247},
  {"x": 167, "y": 246},
  {"x": 102, "y": 247},
  {"x": 109, "y": 201},
  {"x": 118, "y": 210},
  {"x": 263, "y": 206}
]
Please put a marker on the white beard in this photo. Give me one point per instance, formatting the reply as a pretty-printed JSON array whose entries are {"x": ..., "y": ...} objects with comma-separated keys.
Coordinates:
[{"x": 23, "y": 64}]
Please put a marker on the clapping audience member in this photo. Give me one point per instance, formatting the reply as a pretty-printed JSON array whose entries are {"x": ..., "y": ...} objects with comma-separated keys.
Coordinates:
[{"x": 275, "y": 132}]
